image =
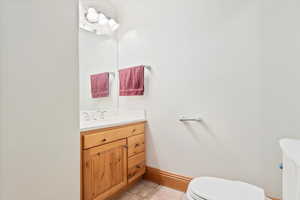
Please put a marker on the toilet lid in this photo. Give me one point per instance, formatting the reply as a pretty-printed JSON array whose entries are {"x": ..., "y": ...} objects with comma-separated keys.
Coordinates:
[{"x": 209, "y": 188}]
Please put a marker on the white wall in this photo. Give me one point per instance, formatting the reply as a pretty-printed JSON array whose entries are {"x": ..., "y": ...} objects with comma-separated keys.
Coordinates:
[
  {"x": 97, "y": 54},
  {"x": 219, "y": 59},
  {"x": 39, "y": 100}
]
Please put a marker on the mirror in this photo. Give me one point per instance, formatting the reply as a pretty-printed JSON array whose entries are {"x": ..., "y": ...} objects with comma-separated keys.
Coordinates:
[{"x": 98, "y": 52}]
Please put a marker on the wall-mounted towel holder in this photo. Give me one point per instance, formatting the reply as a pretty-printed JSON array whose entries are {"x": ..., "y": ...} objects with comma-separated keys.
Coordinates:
[
  {"x": 184, "y": 118},
  {"x": 112, "y": 73},
  {"x": 148, "y": 67}
]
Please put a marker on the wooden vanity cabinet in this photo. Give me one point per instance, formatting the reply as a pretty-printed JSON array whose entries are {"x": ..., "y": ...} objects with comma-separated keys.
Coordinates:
[{"x": 111, "y": 159}]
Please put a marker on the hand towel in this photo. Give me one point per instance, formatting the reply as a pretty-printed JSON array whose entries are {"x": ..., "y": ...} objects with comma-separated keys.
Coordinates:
[
  {"x": 132, "y": 81},
  {"x": 100, "y": 85}
]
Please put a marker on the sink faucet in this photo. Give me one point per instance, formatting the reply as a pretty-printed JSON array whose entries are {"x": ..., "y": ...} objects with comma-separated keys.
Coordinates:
[
  {"x": 99, "y": 114},
  {"x": 86, "y": 116}
]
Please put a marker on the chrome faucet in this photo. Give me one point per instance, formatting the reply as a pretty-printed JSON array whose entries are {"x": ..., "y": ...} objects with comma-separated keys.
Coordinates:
[
  {"x": 86, "y": 116},
  {"x": 99, "y": 114}
]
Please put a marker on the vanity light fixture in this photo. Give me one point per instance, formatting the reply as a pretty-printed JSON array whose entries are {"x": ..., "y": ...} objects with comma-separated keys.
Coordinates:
[
  {"x": 99, "y": 22},
  {"x": 92, "y": 15},
  {"x": 113, "y": 24},
  {"x": 103, "y": 20}
]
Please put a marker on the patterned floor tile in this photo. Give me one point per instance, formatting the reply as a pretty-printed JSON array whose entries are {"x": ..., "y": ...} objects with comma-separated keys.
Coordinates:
[{"x": 146, "y": 190}]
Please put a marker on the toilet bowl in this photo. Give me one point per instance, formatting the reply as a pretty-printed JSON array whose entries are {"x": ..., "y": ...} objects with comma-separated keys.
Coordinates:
[{"x": 209, "y": 188}]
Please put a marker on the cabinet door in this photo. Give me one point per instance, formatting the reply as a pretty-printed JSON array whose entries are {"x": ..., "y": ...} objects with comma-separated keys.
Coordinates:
[{"x": 104, "y": 170}]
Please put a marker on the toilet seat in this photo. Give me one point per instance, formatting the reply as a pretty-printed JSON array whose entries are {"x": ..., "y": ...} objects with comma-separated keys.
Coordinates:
[{"x": 209, "y": 188}]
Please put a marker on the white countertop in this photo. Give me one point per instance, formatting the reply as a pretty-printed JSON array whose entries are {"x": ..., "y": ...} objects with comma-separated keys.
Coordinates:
[
  {"x": 111, "y": 121},
  {"x": 106, "y": 124}
]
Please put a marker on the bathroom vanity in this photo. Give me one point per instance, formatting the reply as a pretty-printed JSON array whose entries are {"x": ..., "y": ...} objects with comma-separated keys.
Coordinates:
[{"x": 111, "y": 159}]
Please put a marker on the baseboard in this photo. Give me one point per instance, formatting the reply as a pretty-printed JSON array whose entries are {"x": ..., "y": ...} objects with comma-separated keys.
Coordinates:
[
  {"x": 273, "y": 198},
  {"x": 167, "y": 179}
]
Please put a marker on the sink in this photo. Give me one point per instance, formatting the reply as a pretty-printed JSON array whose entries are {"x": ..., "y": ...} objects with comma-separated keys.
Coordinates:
[{"x": 109, "y": 119}]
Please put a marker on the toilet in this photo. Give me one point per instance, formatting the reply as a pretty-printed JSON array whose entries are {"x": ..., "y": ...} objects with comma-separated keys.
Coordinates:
[{"x": 210, "y": 188}]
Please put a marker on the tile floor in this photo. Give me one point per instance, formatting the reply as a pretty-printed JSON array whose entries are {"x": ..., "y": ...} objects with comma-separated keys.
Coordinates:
[{"x": 146, "y": 190}]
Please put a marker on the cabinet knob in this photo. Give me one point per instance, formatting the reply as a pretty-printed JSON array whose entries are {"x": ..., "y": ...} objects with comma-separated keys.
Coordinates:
[
  {"x": 137, "y": 144},
  {"x": 139, "y": 167},
  {"x": 133, "y": 130},
  {"x": 104, "y": 140}
]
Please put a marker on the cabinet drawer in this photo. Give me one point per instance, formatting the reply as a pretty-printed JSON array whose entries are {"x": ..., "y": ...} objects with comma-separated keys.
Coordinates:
[
  {"x": 136, "y": 159},
  {"x": 99, "y": 137},
  {"x": 136, "y": 171},
  {"x": 136, "y": 144},
  {"x": 136, "y": 166}
]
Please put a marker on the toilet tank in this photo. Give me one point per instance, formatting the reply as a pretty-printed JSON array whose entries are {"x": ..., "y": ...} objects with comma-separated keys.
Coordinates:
[{"x": 291, "y": 169}]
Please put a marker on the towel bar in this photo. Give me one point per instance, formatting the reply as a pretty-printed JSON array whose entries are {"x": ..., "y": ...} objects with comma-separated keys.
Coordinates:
[
  {"x": 112, "y": 73},
  {"x": 148, "y": 67},
  {"x": 185, "y": 119}
]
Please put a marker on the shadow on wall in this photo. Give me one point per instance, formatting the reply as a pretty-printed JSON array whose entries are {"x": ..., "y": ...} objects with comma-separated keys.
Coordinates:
[
  {"x": 151, "y": 143},
  {"x": 195, "y": 129},
  {"x": 198, "y": 128},
  {"x": 148, "y": 74}
]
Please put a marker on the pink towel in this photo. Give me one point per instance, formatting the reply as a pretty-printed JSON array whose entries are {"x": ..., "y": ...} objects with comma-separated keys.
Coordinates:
[
  {"x": 132, "y": 81},
  {"x": 100, "y": 85}
]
